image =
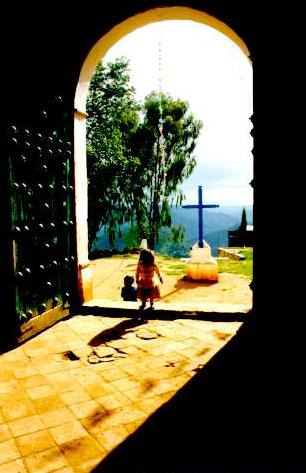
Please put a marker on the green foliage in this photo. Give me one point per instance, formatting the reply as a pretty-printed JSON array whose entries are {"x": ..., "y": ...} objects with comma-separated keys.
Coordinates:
[
  {"x": 134, "y": 175},
  {"x": 113, "y": 118},
  {"x": 164, "y": 162},
  {"x": 172, "y": 240},
  {"x": 243, "y": 223},
  {"x": 131, "y": 238}
]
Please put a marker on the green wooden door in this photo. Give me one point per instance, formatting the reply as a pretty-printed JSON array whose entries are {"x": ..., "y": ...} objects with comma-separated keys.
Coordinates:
[{"x": 42, "y": 219}]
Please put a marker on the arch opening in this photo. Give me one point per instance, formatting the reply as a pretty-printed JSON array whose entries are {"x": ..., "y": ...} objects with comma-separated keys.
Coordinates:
[{"x": 98, "y": 51}]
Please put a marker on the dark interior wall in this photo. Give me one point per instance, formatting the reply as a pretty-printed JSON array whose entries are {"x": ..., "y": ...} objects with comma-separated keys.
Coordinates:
[{"x": 46, "y": 43}]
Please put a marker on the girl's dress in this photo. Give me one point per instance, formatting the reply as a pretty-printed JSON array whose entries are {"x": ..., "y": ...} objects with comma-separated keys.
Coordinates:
[{"x": 147, "y": 287}]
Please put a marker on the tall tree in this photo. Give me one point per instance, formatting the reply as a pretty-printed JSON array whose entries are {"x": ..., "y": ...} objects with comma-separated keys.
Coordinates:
[
  {"x": 243, "y": 223},
  {"x": 164, "y": 143},
  {"x": 136, "y": 159},
  {"x": 113, "y": 118}
]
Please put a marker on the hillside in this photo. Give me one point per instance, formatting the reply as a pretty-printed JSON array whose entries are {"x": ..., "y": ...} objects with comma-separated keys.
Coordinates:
[{"x": 216, "y": 222}]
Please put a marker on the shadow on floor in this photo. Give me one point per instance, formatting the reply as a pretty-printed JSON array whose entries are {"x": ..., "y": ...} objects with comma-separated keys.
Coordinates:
[
  {"x": 116, "y": 332},
  {"x": 162, "y": 314},
  {"x": 226, "y": 419}
]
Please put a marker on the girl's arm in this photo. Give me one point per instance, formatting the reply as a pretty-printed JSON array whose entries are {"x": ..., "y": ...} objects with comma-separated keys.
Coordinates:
[
  {"x": 138, "y": 271},
  {"x": 158, "y": 273}
]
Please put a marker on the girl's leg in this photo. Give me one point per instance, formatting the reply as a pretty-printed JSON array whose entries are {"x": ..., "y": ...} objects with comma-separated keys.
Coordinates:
[
  {"x": 152, "y": 302},
  {"x": 143, "y": 300}
]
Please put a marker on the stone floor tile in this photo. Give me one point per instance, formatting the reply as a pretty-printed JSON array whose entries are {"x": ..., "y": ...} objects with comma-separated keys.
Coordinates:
[
  {"x": 161, "y": 373},
  {"x": 64, "y": 469},
  {"x": 131, "y": 350},
  {"x": 97, "y": 421},
  {"x": 25, "y": 372},
  {"x": 66, "y": 365},
  {"x": 85, "y": 408},
  {"x": 57, "y": 417},
  {"x": 6, "y": 376},
  {"x": 8, "y": 451},
  {"x": 32, "y": 381},
  {"x": 35, "y": 352},
  {"x": 41, "y": 360},
  {"x": 13, "y": 355},
  {"x": 51, "y": 367},
  {"x": 7, "y": 389},
  {"x": 164, "y": 387},
  {"x": 34, "y": 442},
  {"x": 136, "y": 369},
  {"x": 190, "y": 353},
  {"x": 113, "y": 401},
  {"x": 48, "y": 403},
  {"x": 112, "y": 438},
  {"x": 40, "y": 391},
  {"x": 75, "y": 396},
  {"x": 113, "y": 374},
  {"x": 85, "y": 376},
  {"x": 131, "y": 427},
  {"x": 174, "y": 357},
  {"x": 26, "y": 425},
  {"x": 75, "y": 343},
  {"x": 62, "y": 381},
  {"x": 125, "y": 384},
  {"x": 96, "y": 390},
  {"x": 15, "y": 466},
  {"x": 45, "y": 462},
  {"x": 132, "y": 413},
  {"x": 154, "y": 362},
  {"x": 5, "y": 433},
  {"x": 151, "y": 404},
  {"x": 88, "y": 465},
  {"x": 110, "y": 418},
  {"x": 82, "y": 453},
  {"x": 67, "y": 432},
  {"x": 140, "y": 393},
  {"x": 180, "y": 379},
  {"x": 16, "y": 409}
]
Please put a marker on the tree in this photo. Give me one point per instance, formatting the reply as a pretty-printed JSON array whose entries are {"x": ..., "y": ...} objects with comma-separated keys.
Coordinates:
[
  {"x": 243, "y": 224},
  {"x": 164, "y": 143},
  {"x": 113, "y": 118},
  {"x": 136, "y": 161}
]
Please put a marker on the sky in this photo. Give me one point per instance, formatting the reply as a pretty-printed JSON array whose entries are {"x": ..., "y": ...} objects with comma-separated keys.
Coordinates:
[{"x": 201, "y": 65}]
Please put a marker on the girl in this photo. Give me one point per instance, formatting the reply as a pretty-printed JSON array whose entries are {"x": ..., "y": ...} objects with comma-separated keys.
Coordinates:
[{"x": 144, "y": 278}]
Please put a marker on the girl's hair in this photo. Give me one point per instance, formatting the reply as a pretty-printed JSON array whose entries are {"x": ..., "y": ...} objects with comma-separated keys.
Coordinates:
[{"x": 146, "y": 257}]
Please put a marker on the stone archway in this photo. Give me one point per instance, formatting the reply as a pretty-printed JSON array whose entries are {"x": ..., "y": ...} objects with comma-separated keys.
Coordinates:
[{"x": 94, "y": 56}]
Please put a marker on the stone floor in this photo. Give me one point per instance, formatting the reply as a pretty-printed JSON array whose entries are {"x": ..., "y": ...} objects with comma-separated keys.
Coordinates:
[
  {"x": 231, "y": 293},
  {"x": 74, "y": 392}
]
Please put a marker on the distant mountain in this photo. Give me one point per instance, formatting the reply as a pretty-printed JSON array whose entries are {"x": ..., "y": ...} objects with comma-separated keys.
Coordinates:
[{"x": 216, "y": 223}]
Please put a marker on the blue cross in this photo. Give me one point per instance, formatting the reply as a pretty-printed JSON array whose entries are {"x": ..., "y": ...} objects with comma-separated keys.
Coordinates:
[{"x": 200, "y": 206}]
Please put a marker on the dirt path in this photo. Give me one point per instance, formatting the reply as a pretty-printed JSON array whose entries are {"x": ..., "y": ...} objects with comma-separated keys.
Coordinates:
[{"x": 108, "y": 274}]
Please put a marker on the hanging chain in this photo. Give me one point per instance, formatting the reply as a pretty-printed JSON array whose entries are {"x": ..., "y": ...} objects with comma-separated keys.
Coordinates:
[{"x": 162, "y": 141}]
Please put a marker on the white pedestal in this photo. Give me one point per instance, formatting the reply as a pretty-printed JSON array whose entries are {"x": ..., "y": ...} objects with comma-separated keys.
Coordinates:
[{"x": 201, "y": 266}]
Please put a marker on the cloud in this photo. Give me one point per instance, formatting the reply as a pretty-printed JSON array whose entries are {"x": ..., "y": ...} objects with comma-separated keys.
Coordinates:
[{"x": 204, "y": 67}]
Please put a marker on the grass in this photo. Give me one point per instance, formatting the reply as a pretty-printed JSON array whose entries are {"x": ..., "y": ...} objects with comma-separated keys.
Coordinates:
[
  {"x": 243, "y": 267},
  {"x": 176, "y": 267}
]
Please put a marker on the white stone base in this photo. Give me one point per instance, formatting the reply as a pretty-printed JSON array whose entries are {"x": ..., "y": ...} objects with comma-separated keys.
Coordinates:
[
  {"x": 205, "y": 270},
  {"x": 201, "y": 266}
]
